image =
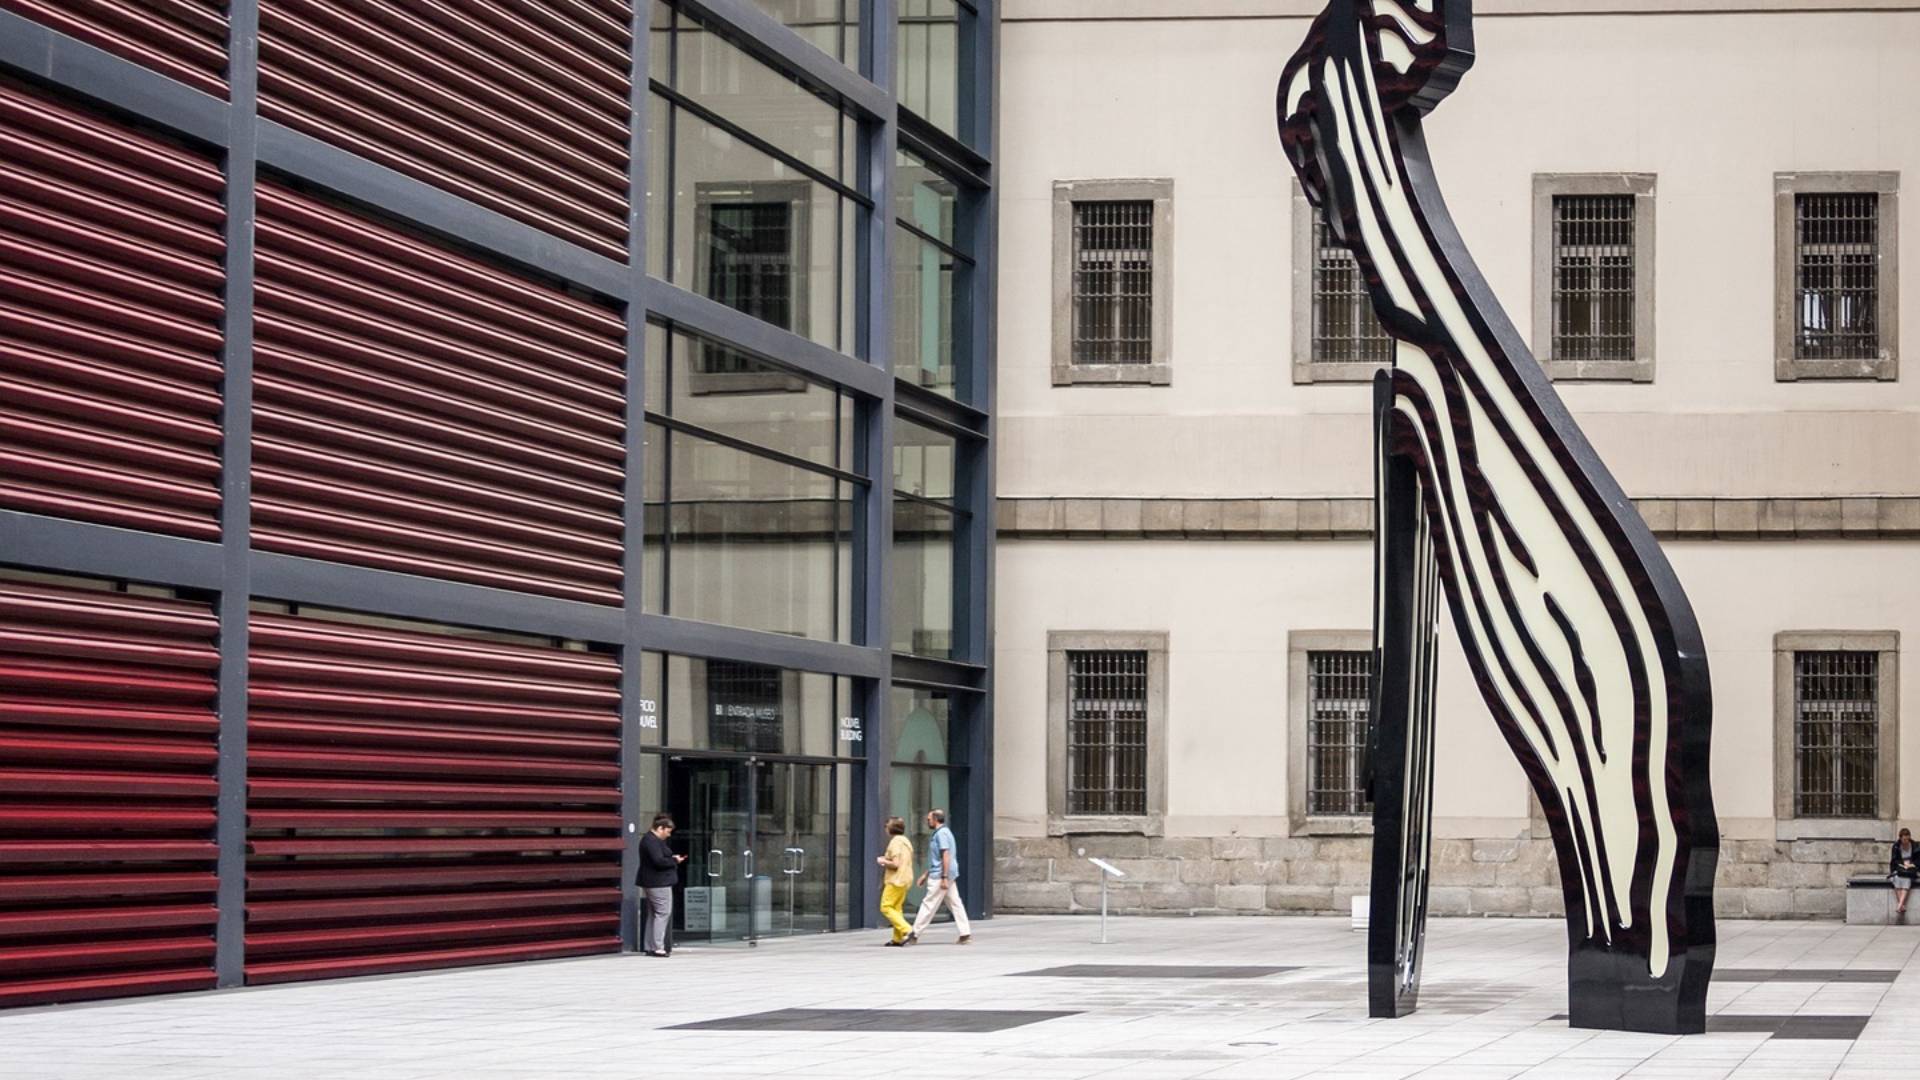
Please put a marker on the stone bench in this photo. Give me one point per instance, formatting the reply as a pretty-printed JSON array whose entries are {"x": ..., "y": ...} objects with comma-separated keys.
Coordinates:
[{"x": 1869, "y": 900}]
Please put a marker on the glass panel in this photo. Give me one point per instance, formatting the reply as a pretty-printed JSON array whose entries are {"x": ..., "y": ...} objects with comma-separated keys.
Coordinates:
[
  {"x": 1113, "y": 282},
  {"x": 1107, "y": 732},
  {"x": 749, "y": 708},
  {"x": 922, "y": 727},
  {"x": 751, "y": 541},
  {"x": 923, "y": 198},
  {"x": 932, "y": 35},
  {"x": 711, "y": 805},
  {"x": 845, "y": 777},
  {"x": 716, "y": 75},
  {"x": 916, "y": 790},
  {"x": 659, "y": 185},
  {"x": 923, "y": 461},
  {"x": 752, "y": 231},
  {"x": 1593, "y": 245},
  {"x": 1836, "y": 276},
  {"x": 832, "y": 25},
  {"x": 922, "y": 579},
  {"x": 653, "y": 531},
  {"x": 924, "y": 315},
  {"x": 652, "y": 714},
  {"x": 1339, "y": 696},
  {"x": 794, "y": 845},
  {"x": 704, "y": 382}
]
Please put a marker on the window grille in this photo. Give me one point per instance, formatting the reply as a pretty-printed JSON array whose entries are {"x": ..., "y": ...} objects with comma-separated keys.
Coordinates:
[
  {"x": 1345, "y": 328},
  {"x": 1113, "y": 282},
  {"x": 750, "y": 269},
  {"x": 1836, "y": 725},
  {"x": 1836, "y": 276},
  {"x": 1593, "y": 270},
  {"x": 1107, "y": 732},
  {"x": 745, "y": 699},
  {"x": 1339, "y": 699}
]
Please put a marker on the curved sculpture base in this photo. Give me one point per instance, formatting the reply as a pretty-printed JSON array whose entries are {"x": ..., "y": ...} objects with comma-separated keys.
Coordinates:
[{"x": 1610, "y": 989}]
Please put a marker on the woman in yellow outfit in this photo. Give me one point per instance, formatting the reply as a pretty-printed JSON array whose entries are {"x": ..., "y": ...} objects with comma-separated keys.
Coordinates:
[{"x": 898, "y": 862}]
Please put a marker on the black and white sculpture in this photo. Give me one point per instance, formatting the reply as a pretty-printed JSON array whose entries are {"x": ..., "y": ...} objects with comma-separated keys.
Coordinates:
[{"x": 1577, "y": 632}]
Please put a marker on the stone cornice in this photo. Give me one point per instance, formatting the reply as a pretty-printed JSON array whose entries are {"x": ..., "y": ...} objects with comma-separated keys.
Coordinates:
[{"x": 1855, "y": 518}]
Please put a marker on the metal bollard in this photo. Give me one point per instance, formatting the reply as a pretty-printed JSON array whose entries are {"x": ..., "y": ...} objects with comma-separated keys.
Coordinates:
[{"x": 1108, "y": 871}]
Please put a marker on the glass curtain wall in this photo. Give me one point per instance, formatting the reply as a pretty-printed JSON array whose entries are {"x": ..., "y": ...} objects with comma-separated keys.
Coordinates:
[
  {"x": 926, "y": 524},
  {"x": 750, "y": 199},
  {"x": 749, "y": 492}
]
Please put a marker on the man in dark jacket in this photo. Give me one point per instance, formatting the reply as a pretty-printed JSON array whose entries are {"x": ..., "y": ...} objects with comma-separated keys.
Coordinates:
[{"x": 659, "y": 872}]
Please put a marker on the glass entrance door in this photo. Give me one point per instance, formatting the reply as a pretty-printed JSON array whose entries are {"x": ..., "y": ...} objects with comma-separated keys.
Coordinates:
[
  {"x": 794, "y": 822},
  {"x": 711, "y": 804},
  {"x": 762, "y": 839}
]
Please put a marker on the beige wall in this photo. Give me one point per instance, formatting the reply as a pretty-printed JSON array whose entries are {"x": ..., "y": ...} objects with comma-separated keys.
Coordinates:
[
  {"x": 1228, "y": 608},
  {"x": 1713, "y": 104}
]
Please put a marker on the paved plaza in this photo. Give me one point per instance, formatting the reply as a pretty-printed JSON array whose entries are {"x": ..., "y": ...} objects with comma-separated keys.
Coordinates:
[{"x": 1032, "y": 997}]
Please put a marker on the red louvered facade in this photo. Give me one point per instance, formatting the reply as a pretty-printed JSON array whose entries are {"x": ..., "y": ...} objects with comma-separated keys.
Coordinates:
[
  {"x": 181, "y": 39},
  {"x": 520, "y": 107},
  {"x": 418, "y": 410},
  {"x": 107, "y": 791},
  {"x": 110, "y": 306},
  {"x": 419, "y": 800}
]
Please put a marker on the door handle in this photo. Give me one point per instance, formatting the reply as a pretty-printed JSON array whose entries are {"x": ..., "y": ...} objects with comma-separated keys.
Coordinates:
[
  {"x": 714, "y": 858},
  {"x": 746, "y": 859},
  {"x": 796, "y": 861}
]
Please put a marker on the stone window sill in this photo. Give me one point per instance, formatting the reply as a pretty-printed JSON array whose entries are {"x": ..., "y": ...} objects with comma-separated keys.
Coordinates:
[
  {"x": 1331, "y": 825},
  {"x": 1112, "y": 374},
  {"x": 1122, "y": 824}
]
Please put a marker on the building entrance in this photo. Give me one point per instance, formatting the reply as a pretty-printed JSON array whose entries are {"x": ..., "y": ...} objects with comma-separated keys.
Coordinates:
[{"x": 763, "y": 843}]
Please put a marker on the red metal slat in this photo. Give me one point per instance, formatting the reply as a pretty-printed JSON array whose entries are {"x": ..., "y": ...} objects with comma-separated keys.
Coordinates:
[
  {"x": 24, "y": 747},
  {"x": 66, "y": 782},
  {"x": 298, "y": 970},
  {"x": 119, "y": 819},
  {"x": 387, "y": 818},
  {"x": 269, "y": 912},
  {"x": 295, "y": 544},
  {"x": 95, "y": 887},
  {"x": 377, "y": 670},
  {"x": 480, "y": 556},
  {"x": 411, "y": 845},
  {"x": 15, "y": 924},
  {"x": 41, "y": 641},
  {"x": 370, "y": 736},
  {"x": 306, "y": 759},
  {"x": 434, "y": 650},
  {"x": 110, "y": 306},
  {"x": 31, "y": 709},
  {"x": 92, "y": 987},
  {"x": 34, "y": 959},
  {"x": 107, "y": 610},
  {"x": 269, "y": 878},
  {"x": 141, "y": 35},
  {"x": 44, "y": 851},
  {"x": 84, "y": 679},
  {"x": 323, "y": 705},
  {"x": 364, "y": 938},
  {"x": 266, "y": 790}
]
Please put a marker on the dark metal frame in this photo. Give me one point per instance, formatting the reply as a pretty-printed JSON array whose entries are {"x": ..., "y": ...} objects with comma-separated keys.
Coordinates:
[{"x": 235, "y": 574}]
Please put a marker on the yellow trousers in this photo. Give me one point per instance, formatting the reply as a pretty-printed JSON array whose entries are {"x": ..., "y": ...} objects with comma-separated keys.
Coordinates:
[{"x": 892, "y": 899}]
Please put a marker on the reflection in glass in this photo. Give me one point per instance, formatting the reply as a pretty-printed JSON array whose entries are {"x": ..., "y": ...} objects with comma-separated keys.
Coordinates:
[
  {"x": 922, "y": 726},
  {"x": 916, "y": 790},
  {"x": 923, "y": 198},
  {"x": 703, "y": 382},
  {"x": 653, "y": 720},
  {"x": 750, "y": 541},
  {"x": 832, "y": 25},
  {"x": 749, "y": 708},
  {"x": 923, "y": 313},
  {"x": 923, "y": 461},
  {"x": 744, "y": 209},
  {"x": 923, "y": 549},
  {"x": 934, "y": 35}
]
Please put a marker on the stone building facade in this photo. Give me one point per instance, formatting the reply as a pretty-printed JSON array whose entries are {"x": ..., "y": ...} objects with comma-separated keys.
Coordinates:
[{"x": 1661, "y": 194}]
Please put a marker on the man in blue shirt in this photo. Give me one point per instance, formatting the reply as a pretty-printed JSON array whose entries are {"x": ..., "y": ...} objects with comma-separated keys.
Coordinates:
[{"x": 942, "y": 881}]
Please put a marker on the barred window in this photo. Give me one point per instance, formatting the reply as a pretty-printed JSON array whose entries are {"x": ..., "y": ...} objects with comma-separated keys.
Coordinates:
[
  {"x": 1339, "y": 693},
  {"x": 1593, "y": 277},
  {"x": 1836, "y": 276},
  {"x": 1107, "y": 732},
  {"x": 1836, "y": 710},
  {"x": 1345, "y": 328},
  {"x": 1113, "y": 282},
  {"x": 750, "y": 267}
]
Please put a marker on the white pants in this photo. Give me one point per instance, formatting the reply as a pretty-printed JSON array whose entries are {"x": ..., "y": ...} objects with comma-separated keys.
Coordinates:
[{"x": 938, "y": 893}]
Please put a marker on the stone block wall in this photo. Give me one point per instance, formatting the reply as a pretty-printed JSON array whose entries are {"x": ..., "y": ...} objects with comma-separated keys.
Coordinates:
[{"x": 1513, "y": 876}]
